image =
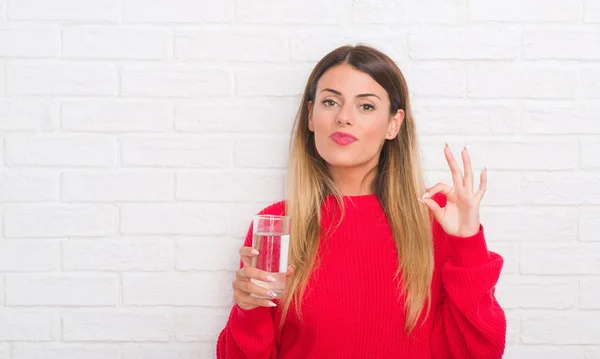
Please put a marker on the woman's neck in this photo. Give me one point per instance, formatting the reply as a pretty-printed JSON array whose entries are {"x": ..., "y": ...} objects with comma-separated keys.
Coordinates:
[{"x": 353, "y": 181}]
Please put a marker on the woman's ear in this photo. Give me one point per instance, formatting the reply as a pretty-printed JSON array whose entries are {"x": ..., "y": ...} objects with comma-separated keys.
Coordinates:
[
  {"x": 311, "y": 124},
  {"x": 394, "y": 125}
]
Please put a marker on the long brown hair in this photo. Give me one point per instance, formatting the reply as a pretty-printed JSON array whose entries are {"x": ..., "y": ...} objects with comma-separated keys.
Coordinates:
[{"x": 397, "y": 184}]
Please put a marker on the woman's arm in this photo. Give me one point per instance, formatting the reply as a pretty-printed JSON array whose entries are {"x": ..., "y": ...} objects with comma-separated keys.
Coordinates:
[
  {"x": 469, "y": 322},
  {"x": 248, "y": 334}
]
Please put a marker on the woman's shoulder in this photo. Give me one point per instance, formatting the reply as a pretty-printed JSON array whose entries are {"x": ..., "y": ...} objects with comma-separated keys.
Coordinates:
[{"x": 275, "y": 209}]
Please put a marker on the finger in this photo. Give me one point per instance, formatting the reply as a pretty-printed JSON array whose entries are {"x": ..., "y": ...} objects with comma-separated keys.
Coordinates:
[
  {"x": 250, "y": 301},
  {"x": 251, "y": 288},
  {"x": 468, "y": 170},
  {"x": 246, "y": 255},
  {"x": 436, "y": 210},
  {"x": 438, "y": 187},
  {"x": 482, "y": 185},
  {"x": 247, "y": 273},
  {"x": 290, "y": 271},
  {"x": 457, "y": 177}
]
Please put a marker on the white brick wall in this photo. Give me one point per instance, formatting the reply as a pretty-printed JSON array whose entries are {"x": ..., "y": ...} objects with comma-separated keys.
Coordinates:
[{"x": 138, "y": 137}]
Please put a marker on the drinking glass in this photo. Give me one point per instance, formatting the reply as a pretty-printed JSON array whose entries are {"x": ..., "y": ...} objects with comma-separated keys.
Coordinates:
[{"x": 271, "y": 238}]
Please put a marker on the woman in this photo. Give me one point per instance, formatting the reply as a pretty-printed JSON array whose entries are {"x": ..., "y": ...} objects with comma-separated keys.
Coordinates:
[{"x": 381, "y": 266}]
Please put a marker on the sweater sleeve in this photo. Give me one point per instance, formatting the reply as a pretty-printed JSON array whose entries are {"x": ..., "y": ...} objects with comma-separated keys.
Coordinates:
[
  {"x": 468, "y": 321},
  {"x": 248, "y": 334}
]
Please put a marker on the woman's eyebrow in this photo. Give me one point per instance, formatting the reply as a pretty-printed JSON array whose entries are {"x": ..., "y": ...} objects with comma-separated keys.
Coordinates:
[{"x": 359, "y": 95}]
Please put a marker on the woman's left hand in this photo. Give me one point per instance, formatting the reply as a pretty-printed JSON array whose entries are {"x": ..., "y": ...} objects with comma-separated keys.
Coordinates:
[{"x": 460, "y": 216}]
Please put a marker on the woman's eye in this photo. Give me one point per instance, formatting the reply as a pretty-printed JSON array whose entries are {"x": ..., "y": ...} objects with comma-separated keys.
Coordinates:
[
  {"x": 329, "y": 103},
  {"x": 368, "y": 107}
]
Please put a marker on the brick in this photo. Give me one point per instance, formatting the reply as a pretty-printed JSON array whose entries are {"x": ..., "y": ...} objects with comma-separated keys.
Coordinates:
[
  {"x": 202, "y": 325},
  {"x": 503, "y": 187},
  {"x": 591, "y": 13},
  {"x": 117, "y": 116},
  {"x": 589, "y": 151},
  {"x": 2, "y": 78},
  {"x": 546, "y": 352},
  {"x": 542, "y": 118},
  {"x": 181, "y": 80},
  {"x": 507, "y": 155},
  {"x": 28, "y": 115},
  {"x": 65, "y": 10},
  {"x": 236, "y": 116},
  {"x": 28, "y": 185},
  {"x": 28, "y": 325},
  {"x": 242, "y": 214},
  {"x": 108, "y": 42},
  {"x": 537, "y": 224},
  {"x": 438, "y": 81},
  {"x": 122, "y": 254},
  {"x": 312, "y": 44},
  {"x": 466, "y": 43},
  {"x": 169, "y": 350},
  {"x": 30, "y": 41},
  {"x": 513, "y": 326},
  {"x": 561, "y": 328},
  {"x": 293, "y": 12},
  {"x": 61, "y": 78},
  {"x": 271, "y": 81},
  {"x": 444, "y": 117},
  {"x": 29, "y": 255},
  {"x": 138, "y": 185},
  {"x": 1, "y": 302},
  {"x": 4, "y": 348},
  {"x": 80, "y": 150},
  {"x": 589, "y": 294},
  {"x": 561, "y": 260},
  {"x": 589, "y": 224},
  {"x": 521, "y": 81},
  {"x": 261, "y": 153},
  {"x": 228, "y": 45},
  {"x": 514, "y": 292},
  {"x": 61, "y": 289},
  {"x": 192, "y": 219},
  {"x": 179, "y": 289},
  {"x": 446, "y": 12},
  {"x": 525, "y": 11},
  {"x": 592, "y": 353},
  {"x": 65, "y": 351},
  {"x": 560, "y": 188},
  {"x": 230, "y": 186},
  {"x": 207, "y": 254},
  {"x": 176, "y": 151},
  {"x": 590, "y": 83},
  {"x": 562, "y": 45},
  {"x": 117, "y": 326},
  {"x": 178, "y": 11},
  {"x": 60, "y": 220}
]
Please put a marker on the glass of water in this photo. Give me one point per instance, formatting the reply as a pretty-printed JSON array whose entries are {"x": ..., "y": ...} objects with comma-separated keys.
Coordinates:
[{"x": 271, "y": 238}]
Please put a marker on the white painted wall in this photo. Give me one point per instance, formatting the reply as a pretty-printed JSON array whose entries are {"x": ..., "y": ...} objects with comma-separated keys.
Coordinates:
[{"x": 138, "y": 137}]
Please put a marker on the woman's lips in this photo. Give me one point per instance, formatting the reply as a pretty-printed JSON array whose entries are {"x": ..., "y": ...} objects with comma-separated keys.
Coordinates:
[{"x": 342, "y": 138}]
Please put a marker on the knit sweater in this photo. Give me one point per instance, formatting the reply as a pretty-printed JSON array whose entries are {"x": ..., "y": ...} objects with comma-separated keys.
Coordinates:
[{"x": 352, "y": 309}]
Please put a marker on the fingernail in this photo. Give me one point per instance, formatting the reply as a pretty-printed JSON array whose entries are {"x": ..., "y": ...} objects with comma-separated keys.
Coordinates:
[
  {"x": 254, "y": 251},
  {"x": 270, "y": 278},
  {"x": 446, "y": 144},
  {"x": 271, "y": 294},
  {"x": 425, "y": 195},
  {"x": 271, "y": 304}
]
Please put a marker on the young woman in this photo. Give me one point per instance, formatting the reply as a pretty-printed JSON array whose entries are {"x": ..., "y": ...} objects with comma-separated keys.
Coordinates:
[{"x": 381, "y": 266}]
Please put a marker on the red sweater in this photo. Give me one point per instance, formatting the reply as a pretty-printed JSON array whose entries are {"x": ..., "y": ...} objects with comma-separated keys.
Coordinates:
[{"x": 351, "y": 307}]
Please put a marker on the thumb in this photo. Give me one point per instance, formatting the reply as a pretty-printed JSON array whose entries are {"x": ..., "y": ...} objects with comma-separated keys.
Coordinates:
[{"x": 435, "y": 208}]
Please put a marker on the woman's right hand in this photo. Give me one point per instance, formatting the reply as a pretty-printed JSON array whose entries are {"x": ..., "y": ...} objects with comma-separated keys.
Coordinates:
[{"x": 243, "y": 288}]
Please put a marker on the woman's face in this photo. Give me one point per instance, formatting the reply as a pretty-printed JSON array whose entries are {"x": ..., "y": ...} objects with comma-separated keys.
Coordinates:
[{"x": 351, "y": 118}]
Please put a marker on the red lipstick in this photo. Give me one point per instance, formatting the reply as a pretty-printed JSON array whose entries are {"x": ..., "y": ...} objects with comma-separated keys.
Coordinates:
[{"x": 342, "y": 138}]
